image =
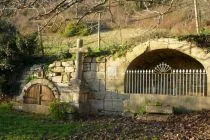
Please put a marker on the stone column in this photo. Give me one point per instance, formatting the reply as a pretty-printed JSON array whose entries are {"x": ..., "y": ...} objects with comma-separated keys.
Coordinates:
[{"x": 79, "y": 60}]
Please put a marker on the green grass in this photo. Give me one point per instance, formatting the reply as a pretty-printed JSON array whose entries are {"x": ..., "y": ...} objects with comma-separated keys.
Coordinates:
[{"x": 19, "y": 125}]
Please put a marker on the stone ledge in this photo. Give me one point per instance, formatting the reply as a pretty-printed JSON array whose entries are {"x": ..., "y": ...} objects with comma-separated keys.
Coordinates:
[
  {"x": 33, "y": 108},
  {"x": 159, "y": 109}
]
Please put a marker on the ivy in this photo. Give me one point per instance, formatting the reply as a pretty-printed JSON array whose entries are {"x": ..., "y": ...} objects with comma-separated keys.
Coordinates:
[{"x": 202, "y": 40}]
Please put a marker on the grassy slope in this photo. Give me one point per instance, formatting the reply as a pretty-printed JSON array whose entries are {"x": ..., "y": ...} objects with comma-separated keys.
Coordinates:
[
  {"x": 18, "y": 125},
  {"x": 55, "y": 43}
]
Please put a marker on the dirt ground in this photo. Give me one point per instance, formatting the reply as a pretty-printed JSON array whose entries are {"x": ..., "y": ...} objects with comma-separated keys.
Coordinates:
[{"x": 191, "y": 126}]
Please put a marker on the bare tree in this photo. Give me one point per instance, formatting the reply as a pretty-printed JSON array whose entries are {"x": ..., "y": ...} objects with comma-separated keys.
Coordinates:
[{"x": 50, "y": 9}]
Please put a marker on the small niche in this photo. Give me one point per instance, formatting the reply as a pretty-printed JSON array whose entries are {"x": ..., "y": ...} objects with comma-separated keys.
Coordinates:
[{"x": 58, "y": 74}]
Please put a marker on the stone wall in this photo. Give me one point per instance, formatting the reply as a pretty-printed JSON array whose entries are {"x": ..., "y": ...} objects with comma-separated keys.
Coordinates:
[
  {"x": 106, "y": 78},
  {"x": 61, "y": 71},
  {"x": 94, "y": 73}
]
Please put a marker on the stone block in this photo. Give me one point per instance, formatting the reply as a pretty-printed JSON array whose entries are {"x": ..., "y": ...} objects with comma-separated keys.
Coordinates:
[
  {"x": 66, "y": 97},
  {"x": 100, "y": 75},
  {"x": 159, "y": 109},
  {"x": 51, "y": 74},
  {"x": 69, "y": 69},
  {"x": 65, "y": 78},
  {"x": 33, "y": 108},
  {"x": 113, "y": 105},
  {"x": 86, "y": 66},
  {"x": 99, "y": 96},
  {"x": 96, "y": 106},
  {"x": 112, "y": 71},
  {"x": 101, "y": 67},
  {"x": 73, "y": 75},
  {"x": 57, "y": 63},
  {"x": 111, "y": 84},
  {"x": 102, "y": 86},
  {"x": 58, "y": 69},
  {"x": 52, "y": 65},
  {"x": 57, "y": 79},
  {"x": 95, "y": 85},
  {"x": 67, "y": 63},
  {"x": 93, "y": 66},
  {"x": 87, "y": 59},
  {"x": 89, "y": 75}
]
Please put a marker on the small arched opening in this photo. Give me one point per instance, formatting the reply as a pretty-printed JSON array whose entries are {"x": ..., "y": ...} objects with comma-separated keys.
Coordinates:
[{"x": 39, "y": 94}]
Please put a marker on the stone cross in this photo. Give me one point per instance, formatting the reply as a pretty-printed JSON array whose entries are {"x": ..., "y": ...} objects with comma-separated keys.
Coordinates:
[{"x": 79, "y": 59}]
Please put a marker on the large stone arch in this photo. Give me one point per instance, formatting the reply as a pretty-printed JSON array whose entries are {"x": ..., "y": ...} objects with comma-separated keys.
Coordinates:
[
  {"x": 116, "y": 70},
  {"x": 121, "y": 64},
  {"x": 44, "y": 82}
]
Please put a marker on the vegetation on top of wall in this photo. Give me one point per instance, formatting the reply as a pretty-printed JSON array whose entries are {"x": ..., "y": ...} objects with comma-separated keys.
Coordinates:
[
  {"x": 115, "y": 50},
  {"x": 202, "y": 40}
]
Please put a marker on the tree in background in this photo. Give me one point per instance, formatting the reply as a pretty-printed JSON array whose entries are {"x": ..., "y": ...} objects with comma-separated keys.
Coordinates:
[{"x": 14, "y": 48}]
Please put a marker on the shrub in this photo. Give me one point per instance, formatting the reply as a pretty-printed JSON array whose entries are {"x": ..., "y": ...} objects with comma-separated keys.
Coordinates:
[
  {"x": 70, "y": 30},
  {"x": 73, "y": 29},
  {"x": 142, "y": 109},
  {"x": 60, "y": 110},
  {"x": 6, "y": 106},
  {"x": 27, "y": 44}
]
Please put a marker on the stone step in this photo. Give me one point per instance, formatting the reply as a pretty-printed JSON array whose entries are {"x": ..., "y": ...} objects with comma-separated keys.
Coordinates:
[{"x": 159, "y": 109}]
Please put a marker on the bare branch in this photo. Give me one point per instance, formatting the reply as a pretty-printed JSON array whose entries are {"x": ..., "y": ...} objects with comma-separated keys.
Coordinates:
[
  {"x": 96, "y": 8},
  {"x": 160, "y": 14}
]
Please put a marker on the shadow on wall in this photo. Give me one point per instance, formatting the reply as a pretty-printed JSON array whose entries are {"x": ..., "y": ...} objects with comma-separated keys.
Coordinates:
[{"x": 174, "y": 58}]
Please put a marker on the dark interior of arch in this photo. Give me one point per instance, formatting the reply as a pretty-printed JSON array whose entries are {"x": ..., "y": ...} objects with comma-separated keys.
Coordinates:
[{"x": 173, "y": 58}]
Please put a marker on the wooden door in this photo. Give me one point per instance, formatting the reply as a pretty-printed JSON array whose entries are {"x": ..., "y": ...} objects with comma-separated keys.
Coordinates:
[{"x": 38, "y": 94}]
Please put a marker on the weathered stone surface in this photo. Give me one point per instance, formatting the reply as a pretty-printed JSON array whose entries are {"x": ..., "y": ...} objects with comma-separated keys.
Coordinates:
[
  {"x": 73, "y": 75},
  {"x": 69, "y": 69},
  {"x": 66, "y": 97},
  {"x": 159, "y": 109},
  {"x": 52, "y": 65},
  {"x": 87, "y": 59},
  {"x": 33, "y": 108},
  {"x": 86, "y": 67},
  {"x": 99, "y": 96},
  {"x": 57, "y": 63},
  {"x": 67, "y": 63},
  {"x": 89, "y": 75},
  {"x": 96, "y": 106},
  {"x": 112, "y": 71},
  {"x": 100, "y": 75},
  {"x": 58, "y": 69},
  {"x": 101, "y": 67},
  {"x": 57, "y": 79},
  {"x": 113, "y": 105},
  {"x": 93, "y": 66},
  {"x": 65, "y": 78},
  {"x": 94, "y": 85}
]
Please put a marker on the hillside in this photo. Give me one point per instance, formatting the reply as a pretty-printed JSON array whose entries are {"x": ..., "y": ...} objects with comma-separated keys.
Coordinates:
[{"x": 123, "y": 22}]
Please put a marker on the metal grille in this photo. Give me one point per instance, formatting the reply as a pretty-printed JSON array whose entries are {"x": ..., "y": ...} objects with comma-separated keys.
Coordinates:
[{"x": 167, "y": 81}]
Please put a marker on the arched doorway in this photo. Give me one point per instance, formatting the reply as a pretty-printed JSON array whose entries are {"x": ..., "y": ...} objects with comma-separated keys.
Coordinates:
[
  {"x": 39, "y": 91},
  {"x": 38, "y": 94},
  {"x": 166, "y": 72}
]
